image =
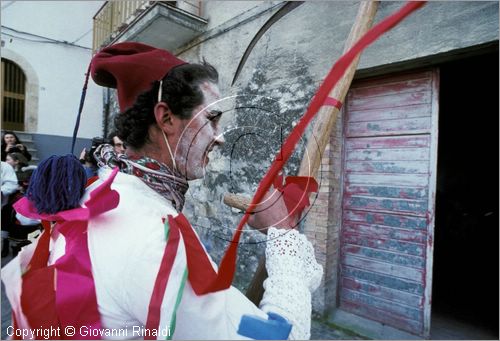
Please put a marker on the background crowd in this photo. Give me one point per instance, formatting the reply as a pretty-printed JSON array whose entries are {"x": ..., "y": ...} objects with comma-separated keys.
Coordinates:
[{"x": 16, "y": 174}]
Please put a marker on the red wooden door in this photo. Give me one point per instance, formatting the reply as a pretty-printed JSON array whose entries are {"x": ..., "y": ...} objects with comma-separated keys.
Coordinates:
[{"x": 389, "y": 182}]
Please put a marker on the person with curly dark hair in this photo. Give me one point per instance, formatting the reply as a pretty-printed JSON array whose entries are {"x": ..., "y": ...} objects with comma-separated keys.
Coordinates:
[
  {"x": 21, "y": 167},
  {"x": 186, "y": 88},
  {"x": 12, "y": 144},
  {"x": 142, "y": 266},
  {"x": 117, "y": 143}
]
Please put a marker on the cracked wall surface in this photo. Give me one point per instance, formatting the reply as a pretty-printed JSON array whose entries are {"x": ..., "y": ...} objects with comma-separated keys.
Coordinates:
[{"x": 273, "y": 90}]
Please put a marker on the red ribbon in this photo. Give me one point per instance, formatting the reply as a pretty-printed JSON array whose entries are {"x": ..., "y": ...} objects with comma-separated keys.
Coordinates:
[
  {"x": 167, "y": 263},
  {"x": 75, "y": 308},
  {"x": 200, "y": 269},
  {"x": 295, "y": 192},
  {"x": 228, "y": 264},
  {"x": 74, "y": 303},
  {"x": 333, "y": 102}
]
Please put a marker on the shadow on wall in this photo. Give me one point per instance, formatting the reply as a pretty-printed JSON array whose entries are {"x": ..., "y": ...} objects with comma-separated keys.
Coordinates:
[{"x": 465, "y": 274}]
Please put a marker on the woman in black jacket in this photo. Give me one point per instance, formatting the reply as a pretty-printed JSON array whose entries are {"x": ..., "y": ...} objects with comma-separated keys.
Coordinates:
[{"x": 11, "y": 144}]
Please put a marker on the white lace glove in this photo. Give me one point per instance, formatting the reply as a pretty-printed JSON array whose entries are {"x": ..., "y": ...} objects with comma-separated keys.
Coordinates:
[{"x": 293, "y": 274}]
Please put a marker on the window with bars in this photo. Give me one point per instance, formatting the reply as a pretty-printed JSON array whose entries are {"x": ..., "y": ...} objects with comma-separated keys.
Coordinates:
[{"x": 13, "y": 96}]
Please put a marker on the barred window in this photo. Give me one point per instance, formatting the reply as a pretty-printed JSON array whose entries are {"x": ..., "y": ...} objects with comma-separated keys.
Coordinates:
[{"x": 13, "y": 96}]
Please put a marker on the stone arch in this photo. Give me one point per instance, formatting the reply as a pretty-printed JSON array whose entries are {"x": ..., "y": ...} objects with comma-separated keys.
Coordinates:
[{"x": 32, "y": 87}]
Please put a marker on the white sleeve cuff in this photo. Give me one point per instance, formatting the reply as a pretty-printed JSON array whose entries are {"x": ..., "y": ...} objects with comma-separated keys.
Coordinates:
[{"x": 293, "y": 275}]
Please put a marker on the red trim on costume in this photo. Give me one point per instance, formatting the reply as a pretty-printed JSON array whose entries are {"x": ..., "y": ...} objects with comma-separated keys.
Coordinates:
[
  {"x": 200, "y": 269},
  {"x": 38, "y": 299},
  {"x": 167, "y": 262},
  {"x": 41, "y": 254},
  {"x": 75, "y": 302},
  {"x": 76, "y": 307},
  {"x": 14, "y": 326},
  {"x": 91, "y": 180}
]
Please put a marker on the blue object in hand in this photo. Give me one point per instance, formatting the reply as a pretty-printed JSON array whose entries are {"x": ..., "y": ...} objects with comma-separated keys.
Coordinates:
[{"x": 257, "y": 328}]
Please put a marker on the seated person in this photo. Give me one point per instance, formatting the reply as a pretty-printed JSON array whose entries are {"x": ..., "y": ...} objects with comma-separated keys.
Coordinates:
[{"x": 22, "y": 169}]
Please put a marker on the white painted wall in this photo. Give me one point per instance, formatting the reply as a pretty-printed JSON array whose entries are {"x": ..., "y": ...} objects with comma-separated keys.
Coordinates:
[{"x": 60, "y": 67}]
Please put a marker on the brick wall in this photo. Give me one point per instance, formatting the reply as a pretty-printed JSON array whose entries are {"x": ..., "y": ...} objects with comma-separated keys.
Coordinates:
[{"x": 323, "y": 221}]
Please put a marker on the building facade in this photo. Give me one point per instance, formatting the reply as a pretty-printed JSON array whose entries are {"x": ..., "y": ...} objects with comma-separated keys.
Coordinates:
[{"x": 44, "y": 61}]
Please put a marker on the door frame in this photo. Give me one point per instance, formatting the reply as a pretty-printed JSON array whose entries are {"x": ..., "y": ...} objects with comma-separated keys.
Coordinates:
[
  {"x": 430, "y": 216},
  {"x": 431, "y": 211}
]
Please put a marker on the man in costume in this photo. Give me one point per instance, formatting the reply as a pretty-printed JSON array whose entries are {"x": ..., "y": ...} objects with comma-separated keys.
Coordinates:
[{"x": 127, "y": 260}]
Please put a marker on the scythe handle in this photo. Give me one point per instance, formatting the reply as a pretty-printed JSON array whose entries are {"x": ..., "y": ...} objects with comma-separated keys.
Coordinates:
[{"x": 323, "y": 126}]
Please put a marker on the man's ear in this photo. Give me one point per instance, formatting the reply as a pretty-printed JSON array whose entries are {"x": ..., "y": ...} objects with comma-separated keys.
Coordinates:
[{"x": 164, "y": 117}]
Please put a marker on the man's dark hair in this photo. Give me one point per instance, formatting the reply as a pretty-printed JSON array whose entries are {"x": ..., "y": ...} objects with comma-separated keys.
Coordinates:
[
  {"x": 111, "y": 136},
  {"x": 89, "y": 154},
  {"x": 180, "y": 90}
]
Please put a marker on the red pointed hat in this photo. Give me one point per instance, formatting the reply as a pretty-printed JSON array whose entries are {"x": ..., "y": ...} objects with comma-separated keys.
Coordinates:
[{"x": 131, "y": 67}]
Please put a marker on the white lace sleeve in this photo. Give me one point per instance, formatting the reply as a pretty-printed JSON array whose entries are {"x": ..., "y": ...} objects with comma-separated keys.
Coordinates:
[{"x": 293, "y": 275}]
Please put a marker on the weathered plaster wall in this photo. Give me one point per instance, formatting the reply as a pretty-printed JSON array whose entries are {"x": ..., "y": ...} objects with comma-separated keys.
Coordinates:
[
  {"x": 211, "y": 10},
  {"x": 280, "y": 77},
  {"x": 438, "y": 27},
  {"x": 277, "y": 83}
]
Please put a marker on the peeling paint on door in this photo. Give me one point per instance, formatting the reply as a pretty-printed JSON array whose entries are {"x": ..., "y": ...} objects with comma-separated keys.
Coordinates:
[{"x": 387, "y": 217}]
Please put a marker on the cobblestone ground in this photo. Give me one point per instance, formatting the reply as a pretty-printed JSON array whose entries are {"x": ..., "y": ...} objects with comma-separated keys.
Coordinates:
[{"x": 319, "y": 329}]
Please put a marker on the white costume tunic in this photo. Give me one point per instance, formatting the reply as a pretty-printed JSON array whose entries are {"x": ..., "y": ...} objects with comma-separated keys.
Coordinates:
[
  {"x": 126, "y": 247},
  {"x": 9, "y": 182}
]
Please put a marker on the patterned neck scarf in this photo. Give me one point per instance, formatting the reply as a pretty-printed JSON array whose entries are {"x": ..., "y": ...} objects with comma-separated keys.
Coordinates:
[{"x": 158, "y": 176}]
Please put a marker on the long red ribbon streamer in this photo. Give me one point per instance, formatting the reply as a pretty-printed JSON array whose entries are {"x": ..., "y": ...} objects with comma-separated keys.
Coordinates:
[
  {"x": 167, "y": 263},
  {"x": 228, "y": 264},
  {"x": 74, "y": 303}
]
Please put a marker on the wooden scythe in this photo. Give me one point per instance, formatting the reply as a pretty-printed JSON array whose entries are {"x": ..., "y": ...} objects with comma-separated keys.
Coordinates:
[{"x": 323, "y": 126}]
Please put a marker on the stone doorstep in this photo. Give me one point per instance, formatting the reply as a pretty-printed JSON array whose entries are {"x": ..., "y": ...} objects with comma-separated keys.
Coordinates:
[
  {"x": 325, "y": 330},
  {"x": 368, "y": 328}
]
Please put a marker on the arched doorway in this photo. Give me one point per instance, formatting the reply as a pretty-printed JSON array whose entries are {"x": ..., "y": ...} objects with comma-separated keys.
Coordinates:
[{"x": 13, "y": 96}]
